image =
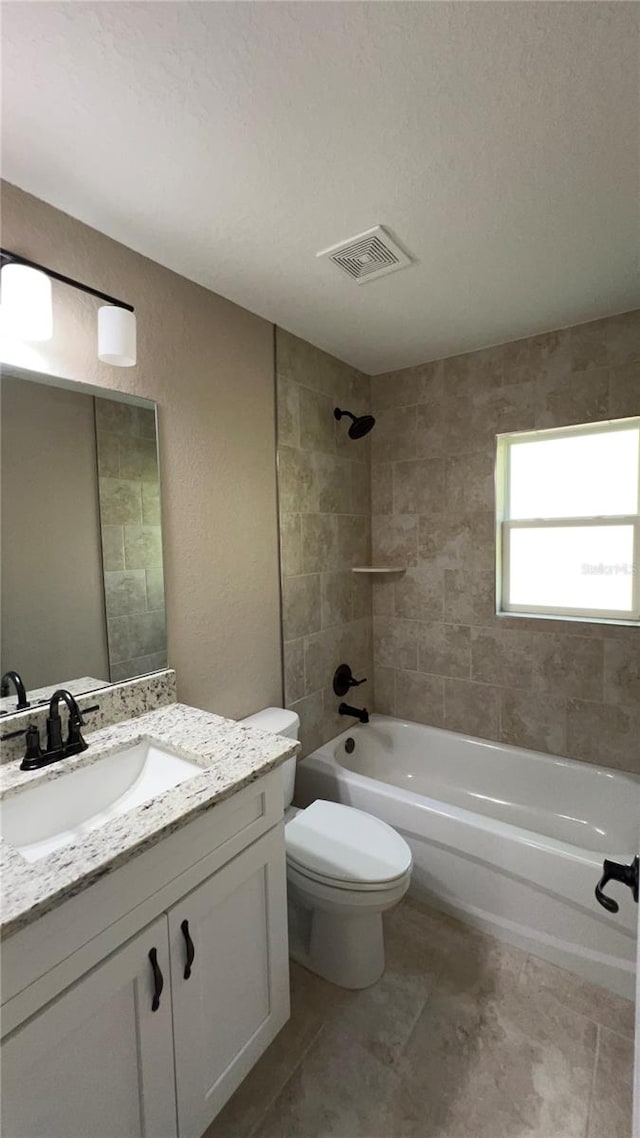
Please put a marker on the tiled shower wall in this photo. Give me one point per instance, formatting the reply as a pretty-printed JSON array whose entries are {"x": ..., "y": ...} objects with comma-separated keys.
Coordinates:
[
  {"x": 442, "y": 655},
  {"x": 324, "y": 502},
  {"x": 128, "y": 482}
]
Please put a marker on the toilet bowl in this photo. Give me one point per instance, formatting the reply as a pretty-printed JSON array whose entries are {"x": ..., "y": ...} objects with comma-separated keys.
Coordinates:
[{"x": 344, "y": 869}]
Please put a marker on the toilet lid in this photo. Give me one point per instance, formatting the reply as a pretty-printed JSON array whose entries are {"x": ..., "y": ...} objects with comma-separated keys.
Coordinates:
[{"x": 341, "y": 843}]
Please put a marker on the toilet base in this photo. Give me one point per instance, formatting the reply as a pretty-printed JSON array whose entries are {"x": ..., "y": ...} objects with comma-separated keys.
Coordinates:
[{"x": 345, "y": 950}]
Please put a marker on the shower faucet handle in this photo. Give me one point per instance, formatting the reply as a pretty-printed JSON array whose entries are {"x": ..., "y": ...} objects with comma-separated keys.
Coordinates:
[{"x": 343, "y": 680}]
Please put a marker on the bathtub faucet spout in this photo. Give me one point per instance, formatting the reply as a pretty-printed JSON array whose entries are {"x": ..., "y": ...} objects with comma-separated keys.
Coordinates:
[{"x": 360, "y": 713}]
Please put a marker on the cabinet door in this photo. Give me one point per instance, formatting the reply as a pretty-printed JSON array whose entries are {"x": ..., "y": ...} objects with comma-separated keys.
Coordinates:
[
  {"x": 97, "y": 1062},
  {"x": 236, "y": 997}
]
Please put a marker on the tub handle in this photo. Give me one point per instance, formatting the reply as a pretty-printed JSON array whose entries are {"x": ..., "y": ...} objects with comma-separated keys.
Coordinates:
[{"x": 613, "y": 871}]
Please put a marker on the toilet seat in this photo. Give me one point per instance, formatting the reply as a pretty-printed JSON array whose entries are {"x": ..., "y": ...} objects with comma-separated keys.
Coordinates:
[{"x": 345, "y": 848}]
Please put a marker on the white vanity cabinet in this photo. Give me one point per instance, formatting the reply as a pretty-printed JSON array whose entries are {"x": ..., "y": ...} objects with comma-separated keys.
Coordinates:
[
  {"x": 237, "y": 995},
  {"x": 97, "y": 1061}
]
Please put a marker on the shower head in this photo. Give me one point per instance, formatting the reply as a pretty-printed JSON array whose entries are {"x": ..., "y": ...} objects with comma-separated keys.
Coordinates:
[{"x": 360, "y": 425}]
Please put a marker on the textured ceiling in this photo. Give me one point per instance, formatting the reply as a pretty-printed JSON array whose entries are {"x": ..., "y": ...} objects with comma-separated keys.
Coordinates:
[{"x": 232, "y": 141}]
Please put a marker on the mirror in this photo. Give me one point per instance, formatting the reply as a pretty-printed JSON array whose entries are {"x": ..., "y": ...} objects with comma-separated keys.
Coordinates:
[{"x": 82, "y": 593}]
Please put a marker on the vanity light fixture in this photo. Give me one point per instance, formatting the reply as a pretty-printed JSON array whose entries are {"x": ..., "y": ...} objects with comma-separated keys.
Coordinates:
[{"x": 25, "y": 304}]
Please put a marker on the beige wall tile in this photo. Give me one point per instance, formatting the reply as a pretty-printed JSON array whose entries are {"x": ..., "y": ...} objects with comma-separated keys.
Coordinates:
[
  {"x": 395, "y": 539},
  {"x": 288, "y": 408},
  {"x": 605, "y": 734},
  {"x": 418, "y": 486},
  {"x": 422, "y": 384},
  {"x": 360, "y": 489},
  {"x": 420, "y": 698},
  {"x": 457, "y": 541},
  {"x": 580, "y": 397},
  {"x": 419, "y": 594},
  {"x": 301, "y": 611},
  {"x": 354, "y": 540},
  {"x": 614, "y": 341},
  {"x": 469, "y": 481},
  {"x": 304, "y": 364},
  {"x": 290, "y": 544},
  {"x": 624, "y": 391},
  {"x": 430, "y": 491},
  {"x": 294, "y": 685},
  {"x": 395, "y": 643},
  {"x": 296, "y": 483},
  {"x": 538, "y": 722},
  {"x": 394, "y": 436},
  {"x": 549, "y": 356},
  {"x": 337, "y": 607},
  {"x": 311, "y": 712},
  {"x": 471, "y": 708},
  {"x": 569, "y": 665},
  {"x": 622, "y": 670},
  {"x": 317, "y": 424},
  {"x": 382, "y": 488},
  {"x": 469, "y": 597},
  {"x": 382, "y": 595},
  {"x": 445, "y": 650},
  {"x": 319, "y": 542},
  {"x": 384, "y": 687},
  {"x": 361, "y": 596},
  {"x": 331, "y": 483},
  {"x": 432, "y": 427},
  {"x": 503, "y": 657}
]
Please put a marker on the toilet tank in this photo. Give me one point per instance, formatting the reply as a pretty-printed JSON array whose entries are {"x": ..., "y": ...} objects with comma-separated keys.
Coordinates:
[{"x": 279, "y": 721}]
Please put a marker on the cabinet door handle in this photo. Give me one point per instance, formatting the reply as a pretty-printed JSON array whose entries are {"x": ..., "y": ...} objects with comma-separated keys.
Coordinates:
[
  {"x": 191, "y": 952},
  {"x": 158, "y": 980}
]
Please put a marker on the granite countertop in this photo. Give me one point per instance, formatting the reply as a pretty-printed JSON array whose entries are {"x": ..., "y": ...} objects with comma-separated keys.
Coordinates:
[{"x": 230, "y": 754}]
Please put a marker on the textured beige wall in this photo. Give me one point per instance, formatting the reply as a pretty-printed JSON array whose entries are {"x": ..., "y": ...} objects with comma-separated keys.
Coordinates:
[
  {"x": 324, "y": 484},
  {"x": 209, "y": 366},
  {"x": 442, "y": 655},
  {"x": 53, "y": 618}
]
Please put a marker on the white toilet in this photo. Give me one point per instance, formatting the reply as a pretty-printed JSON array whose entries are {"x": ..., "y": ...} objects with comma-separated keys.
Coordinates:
[{"x": 344, "y": 869}]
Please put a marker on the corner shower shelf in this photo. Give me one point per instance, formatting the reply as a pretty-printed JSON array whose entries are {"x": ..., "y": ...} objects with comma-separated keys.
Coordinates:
[{"x": 379, "y": 569}]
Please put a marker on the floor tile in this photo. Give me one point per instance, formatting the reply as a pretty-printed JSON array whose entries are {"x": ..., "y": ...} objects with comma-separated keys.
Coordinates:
[
  {"x": 598, "y": 1004},
  {"x": 337, "y": 1092},
  {"x": 463, "y": 1037},
  {"x": 611, "y": 1108}
]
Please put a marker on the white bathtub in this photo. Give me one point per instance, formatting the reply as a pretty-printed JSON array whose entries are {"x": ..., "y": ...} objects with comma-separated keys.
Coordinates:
[{"x": 507, "y": 839}]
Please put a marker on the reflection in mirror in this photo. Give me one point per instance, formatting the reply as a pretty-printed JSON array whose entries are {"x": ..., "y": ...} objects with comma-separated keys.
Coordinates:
[{"x": 82, "y": 600}]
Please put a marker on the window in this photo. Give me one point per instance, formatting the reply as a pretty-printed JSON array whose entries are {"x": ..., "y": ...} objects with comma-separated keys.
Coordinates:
[{"x": 568, "y": 525}]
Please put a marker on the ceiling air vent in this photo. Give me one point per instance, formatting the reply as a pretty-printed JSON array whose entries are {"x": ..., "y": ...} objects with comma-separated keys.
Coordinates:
[{"x": 369, "y": 255}]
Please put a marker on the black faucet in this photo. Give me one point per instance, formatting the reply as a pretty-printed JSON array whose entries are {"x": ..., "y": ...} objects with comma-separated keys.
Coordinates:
[
  {"x": 360, "y": 713},
  {"x": 35, "y": 757},
  {"x": 16, "y": 679}
]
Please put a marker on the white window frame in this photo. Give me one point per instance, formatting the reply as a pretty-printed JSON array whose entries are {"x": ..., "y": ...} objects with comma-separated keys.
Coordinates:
[{"x": 505, "y": 525}]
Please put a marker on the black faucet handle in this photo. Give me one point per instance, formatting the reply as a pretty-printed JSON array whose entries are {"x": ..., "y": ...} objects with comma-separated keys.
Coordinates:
[
  {"x": 33, "y": 748},
  {"x": 343, "y": 679}
]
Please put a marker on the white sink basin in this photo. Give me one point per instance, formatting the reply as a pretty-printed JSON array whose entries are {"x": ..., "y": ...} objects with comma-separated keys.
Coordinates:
[{"x": 40, "y": 819}]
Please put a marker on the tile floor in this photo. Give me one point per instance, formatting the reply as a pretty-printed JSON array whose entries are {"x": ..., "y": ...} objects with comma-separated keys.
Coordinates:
[{"x": 463, "y": 1037}]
